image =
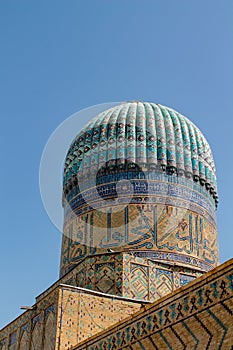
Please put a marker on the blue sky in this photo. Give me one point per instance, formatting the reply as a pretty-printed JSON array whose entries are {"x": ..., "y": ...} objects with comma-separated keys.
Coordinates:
[{"x": 58, "y": 57}]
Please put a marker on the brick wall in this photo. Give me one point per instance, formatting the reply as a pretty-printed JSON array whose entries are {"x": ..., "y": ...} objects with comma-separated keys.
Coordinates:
[
  {"x": 197, "y": 316},
  {"x": 64, "y": 317}
]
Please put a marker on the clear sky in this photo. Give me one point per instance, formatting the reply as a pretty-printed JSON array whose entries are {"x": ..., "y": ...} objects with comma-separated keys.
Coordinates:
[{"x": 58, "y": 57}]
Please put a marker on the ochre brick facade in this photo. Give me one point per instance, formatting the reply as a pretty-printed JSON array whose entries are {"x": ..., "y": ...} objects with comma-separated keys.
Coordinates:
[
  {"x": 198, "y": 316},
  {"x": 63, "y": 318},
  {"x": 84, "y": 314},
  {"x": 34, "y": 329}
]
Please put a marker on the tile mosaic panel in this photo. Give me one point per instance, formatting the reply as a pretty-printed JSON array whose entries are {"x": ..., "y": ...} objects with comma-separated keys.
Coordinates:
[
  {"x": 179, "y": 233},
  {"x": 199, "y": 316}
]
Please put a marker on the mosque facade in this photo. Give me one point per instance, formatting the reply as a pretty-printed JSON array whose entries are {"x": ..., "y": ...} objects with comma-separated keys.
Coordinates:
[{"x": 139, "y": 258}]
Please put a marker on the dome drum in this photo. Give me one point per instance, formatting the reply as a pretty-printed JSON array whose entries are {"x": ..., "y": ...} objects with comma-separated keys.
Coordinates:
[{"x": 119, "y": 165}]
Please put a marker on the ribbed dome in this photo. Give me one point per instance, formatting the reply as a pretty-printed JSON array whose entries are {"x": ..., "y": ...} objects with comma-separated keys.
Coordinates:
[{"x": 147, "y": 134}]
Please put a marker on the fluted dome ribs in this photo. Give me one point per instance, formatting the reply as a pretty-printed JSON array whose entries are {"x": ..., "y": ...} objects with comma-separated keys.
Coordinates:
[{"x": 147, "y": 134}]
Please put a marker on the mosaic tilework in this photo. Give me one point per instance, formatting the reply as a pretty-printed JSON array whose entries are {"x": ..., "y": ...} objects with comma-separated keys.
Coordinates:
[
  {"x": 142, "y": 227},
  {"x": 102, "y": 273},
  {"x": 185, "y": 260},
  {"x": 143, "y": 133},
  {"x": 165, "y": 283},
  {"x": 69, "y": 315},
  {"x": 155, "y": 186},
  {"x": 127, "y": 275},
  {"x": 139, "y": 281},
  {"x": 199, "y": 316},
  {"x": 152, "y": 279},
  {"x": 83, "y": 273},
  {"x": 105, "y": 277}
]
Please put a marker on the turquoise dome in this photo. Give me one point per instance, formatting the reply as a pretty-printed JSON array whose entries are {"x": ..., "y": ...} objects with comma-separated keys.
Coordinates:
[{"x": 147, "y": 134}]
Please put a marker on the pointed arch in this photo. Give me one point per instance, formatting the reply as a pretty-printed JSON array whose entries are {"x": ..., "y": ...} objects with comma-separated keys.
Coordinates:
[
  {"x": 50, "y": 332},
  {"x": 24, "y": 341},
  {"x": 36, "y": 337}
]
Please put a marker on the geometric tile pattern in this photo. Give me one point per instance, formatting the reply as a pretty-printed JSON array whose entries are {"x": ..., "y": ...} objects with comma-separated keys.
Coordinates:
[
  {"x": 130, "y": 276},
  {"x": 127, "y": 275},
  {"x": 139, "y": 282},
  {"x": 198, "y": 317},
  {"x": 146, "y": 279},
  {"x": 164, "y": 282},
  {"x": 105, "y": 277}
]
